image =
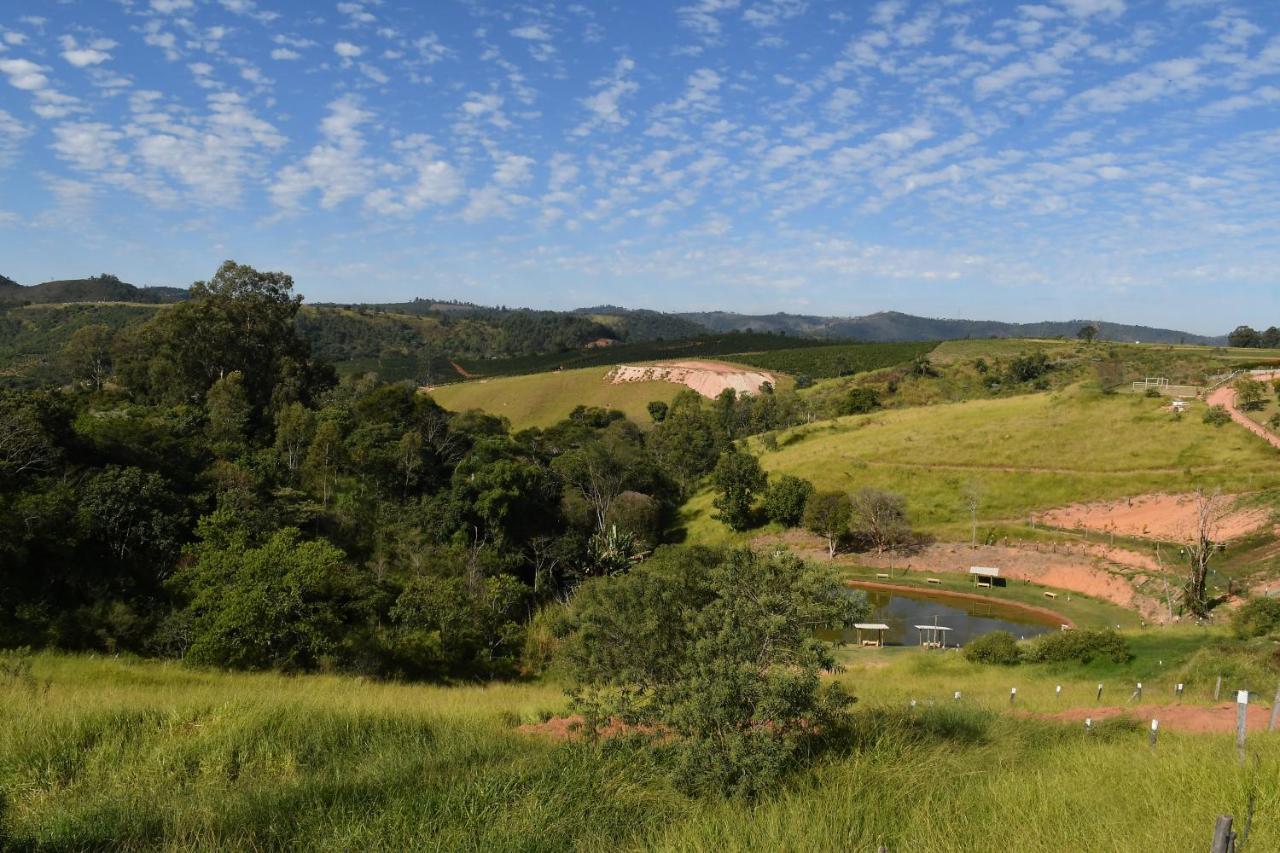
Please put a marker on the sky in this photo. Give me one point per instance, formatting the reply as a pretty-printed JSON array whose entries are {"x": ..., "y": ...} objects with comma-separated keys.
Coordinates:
[{"x": 1095, "y": 159}]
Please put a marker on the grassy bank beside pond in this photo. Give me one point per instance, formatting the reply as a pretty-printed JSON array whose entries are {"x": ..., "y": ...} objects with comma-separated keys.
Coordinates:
[
  {"x": 104, "y": 753},
  {"x": 1083, "y": 611}
]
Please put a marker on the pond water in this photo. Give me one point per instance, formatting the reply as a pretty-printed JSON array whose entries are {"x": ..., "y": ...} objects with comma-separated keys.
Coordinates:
[{"x": 967, "y": 618}]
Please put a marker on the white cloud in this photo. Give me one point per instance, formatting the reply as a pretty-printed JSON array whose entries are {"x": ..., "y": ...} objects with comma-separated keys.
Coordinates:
[
  {"x": 513, "y": 170},
  {"x": 168, "y": 7},
  {"x": 436, "y": 183},
  {"x": 80, "y": 57},
  {"x": 770, "y": 13},
  {"x": 1159, "y": 80},
  {"x": 357, "y": 13},
  {"x": 154, "y": 34},
  {"x": 1087, "y": 8},
  {"x": 12, "y": 135},
  {"x": 703, "y": 16},
  {"x": 605, "y": 104},
  {"x": 249, "y": 8},
  {"x": 24, "y": 74},
  {"x": 347, "y": 50},
  {"x": 90, "y": 146},
  {"x": 430, "y": 49},
  {"x": 532, "y": 32},
  {"x": 491, "y": 202},
  {"x": 337, "y": 168},
  {"x": 284, "y": 54}
]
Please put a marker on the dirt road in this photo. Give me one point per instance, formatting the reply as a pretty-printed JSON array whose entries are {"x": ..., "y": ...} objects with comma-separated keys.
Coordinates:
[{"x": 1226, "y": 397}]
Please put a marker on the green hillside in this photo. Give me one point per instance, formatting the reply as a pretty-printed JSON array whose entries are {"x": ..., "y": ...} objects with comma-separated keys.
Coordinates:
[{"x": 1025, "y": 453}]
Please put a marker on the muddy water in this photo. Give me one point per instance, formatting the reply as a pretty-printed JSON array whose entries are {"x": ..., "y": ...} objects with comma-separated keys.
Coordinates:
[{"x": 967, "y": 619}]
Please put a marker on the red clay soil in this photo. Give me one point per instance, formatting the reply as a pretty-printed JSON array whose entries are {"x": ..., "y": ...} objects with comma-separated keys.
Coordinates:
[
  {"x": 1157, "y": 516},
  {"x": 1226, "y": 397},
  {"x": 708, "y": 378},
  {"x": 967, "y": 596},
  {"x": 462, "y": 371},
  {"x": 1194, "y": 719}
]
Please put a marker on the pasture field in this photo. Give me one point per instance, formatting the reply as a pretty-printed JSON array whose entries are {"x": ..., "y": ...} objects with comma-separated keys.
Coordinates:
[
  {"x": 824, "y": 362},
  {"x": 1023, "y": 454},
  {"x": 125, "y": 754},
  {"x": 543, "y": 399}
]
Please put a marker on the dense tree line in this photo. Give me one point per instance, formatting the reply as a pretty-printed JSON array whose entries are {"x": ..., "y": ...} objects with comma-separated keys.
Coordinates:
[
  {"x": 208, "y": 489},
  {"x": 1245, "y": 336}
]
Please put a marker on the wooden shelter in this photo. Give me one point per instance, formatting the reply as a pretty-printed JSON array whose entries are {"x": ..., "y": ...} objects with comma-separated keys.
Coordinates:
[
  {"x": 933, "y": 636},
  {"x": 984, "y": 575},
  {"x": 876, "y": 628}
]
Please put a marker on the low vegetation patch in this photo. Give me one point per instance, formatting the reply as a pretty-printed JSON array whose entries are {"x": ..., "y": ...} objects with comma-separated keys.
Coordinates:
[
  {"x": 1081, "y": 646},
  {"x": 825, "y": 362},
  {"x": 998, "y": 647}
]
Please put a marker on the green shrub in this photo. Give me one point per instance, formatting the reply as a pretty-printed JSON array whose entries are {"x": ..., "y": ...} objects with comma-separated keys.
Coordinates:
[
  {"x": 1257, "y": 618},
  {"x": 1082, "y": 646},
  {"x": 785, "y": 499},
  {"x": 1217, "y": 416},
  {"x": 860, "y": 401},
  {"x": 997, "y": 647}
]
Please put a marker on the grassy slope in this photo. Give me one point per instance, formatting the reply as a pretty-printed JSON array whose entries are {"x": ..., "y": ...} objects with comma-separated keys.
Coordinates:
[
  {"x": 148, "y": 755},
  {"x": 542, "y": 399},
  {"x": 1026, "y": 453}
]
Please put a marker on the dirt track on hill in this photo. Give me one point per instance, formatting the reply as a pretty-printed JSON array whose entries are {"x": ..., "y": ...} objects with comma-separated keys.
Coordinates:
[{"x": 1226, "y": 397}]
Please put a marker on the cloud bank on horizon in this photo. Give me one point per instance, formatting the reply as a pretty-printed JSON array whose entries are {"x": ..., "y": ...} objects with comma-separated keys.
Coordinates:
[{"x": 1016, "y": 161}]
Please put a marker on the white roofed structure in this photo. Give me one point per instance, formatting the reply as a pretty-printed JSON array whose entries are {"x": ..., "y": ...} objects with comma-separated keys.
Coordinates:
[{"x": 876, "y": 628}]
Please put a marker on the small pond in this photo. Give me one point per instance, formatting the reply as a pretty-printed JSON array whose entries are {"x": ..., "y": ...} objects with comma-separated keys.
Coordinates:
[{"x": 967, "y": 618}]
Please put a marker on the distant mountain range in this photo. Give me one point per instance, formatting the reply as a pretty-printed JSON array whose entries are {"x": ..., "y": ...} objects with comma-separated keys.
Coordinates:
[
  {"x": 894, "y": 326},
  {"x": 644, "y": 324},
  {"x": 101, "y": 288}
]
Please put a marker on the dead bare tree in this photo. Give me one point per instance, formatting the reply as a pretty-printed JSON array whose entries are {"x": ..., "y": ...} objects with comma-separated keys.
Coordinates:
[
  {"x": 24, "y": 445},
  {"x": 1209, "y": 511}
]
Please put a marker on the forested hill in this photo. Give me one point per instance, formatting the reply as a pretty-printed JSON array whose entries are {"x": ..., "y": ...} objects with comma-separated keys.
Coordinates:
[
  {"x": 99, "y": 288},
  {"x": 582, "y": 324},
  {"x": 894, "y": 326}
]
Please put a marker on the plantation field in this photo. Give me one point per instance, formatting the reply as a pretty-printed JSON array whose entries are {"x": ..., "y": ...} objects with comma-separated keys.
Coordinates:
[
  {"x": 710, "y": 346},
  {"x": 824, "y": 362},
  {"x": 543, "y": 399},
  {"x": 1024, "y": 454},
  {"x": 122, "y": 754}
]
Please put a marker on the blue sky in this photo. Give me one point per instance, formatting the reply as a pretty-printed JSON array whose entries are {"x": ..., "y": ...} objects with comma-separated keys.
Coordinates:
[{"x": 1112, "y": 159}]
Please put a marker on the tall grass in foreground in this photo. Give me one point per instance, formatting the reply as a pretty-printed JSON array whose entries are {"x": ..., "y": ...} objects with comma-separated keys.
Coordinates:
[{"x": 140, "y": 755}]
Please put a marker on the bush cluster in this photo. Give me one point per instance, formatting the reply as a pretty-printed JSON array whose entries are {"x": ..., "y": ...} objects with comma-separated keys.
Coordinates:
[
  {"x": 1217, "y": 416},
  {"x": 1082, "y": 646},
  {"x": 1257, "y": 618},
  {"x": 998, "y": 647}
]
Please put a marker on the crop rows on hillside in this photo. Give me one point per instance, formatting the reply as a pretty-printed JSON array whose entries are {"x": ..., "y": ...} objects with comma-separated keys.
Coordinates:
[
  {"x": 824, "y": 362},
  {"x": 713, "y": 346}
]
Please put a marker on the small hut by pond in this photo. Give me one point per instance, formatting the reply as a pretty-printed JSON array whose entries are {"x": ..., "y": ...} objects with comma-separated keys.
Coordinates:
[
  {"x": 874, "y": 633},
  {"x": 933, "y": 636},
  {"x": 986, "y": 576}
]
